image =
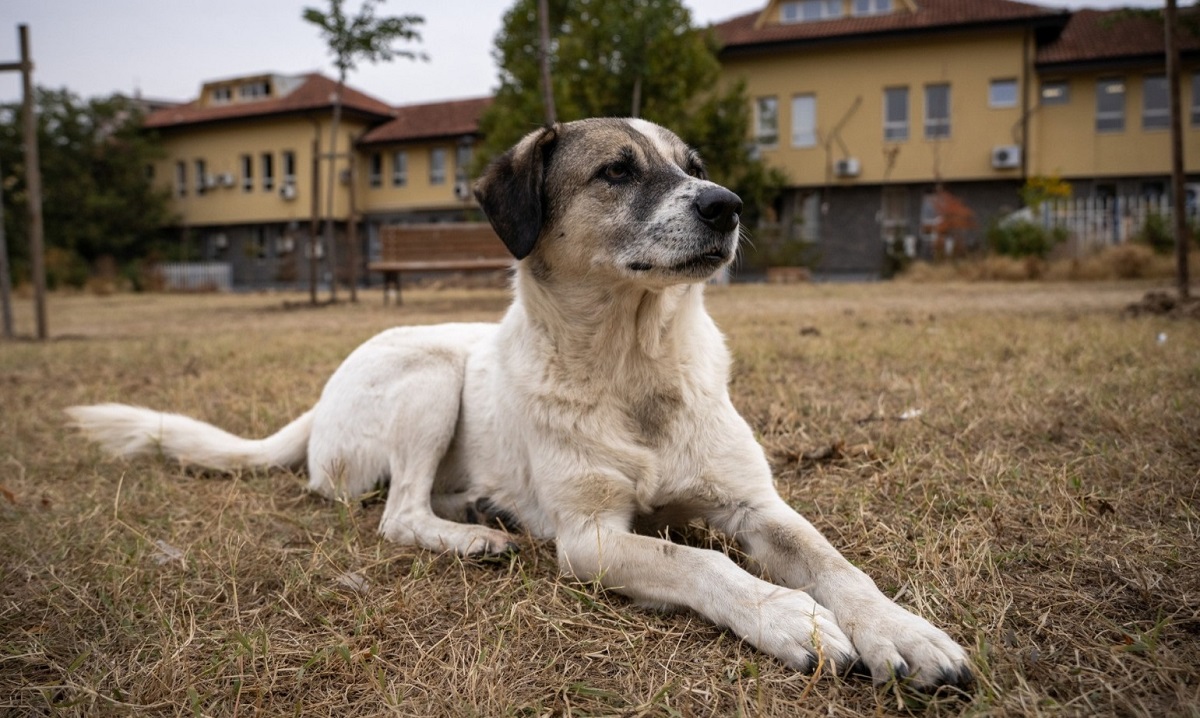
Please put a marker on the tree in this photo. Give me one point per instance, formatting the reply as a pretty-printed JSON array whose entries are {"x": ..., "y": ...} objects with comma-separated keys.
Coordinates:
[
  {"x": 351, "y": 40},
  {"x": 99, "y": 202},
  {"x": 621, "y": 58}
]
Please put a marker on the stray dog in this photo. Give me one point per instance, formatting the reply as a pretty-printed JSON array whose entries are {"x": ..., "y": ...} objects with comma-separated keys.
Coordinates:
[{"x": 598, "y": 405}]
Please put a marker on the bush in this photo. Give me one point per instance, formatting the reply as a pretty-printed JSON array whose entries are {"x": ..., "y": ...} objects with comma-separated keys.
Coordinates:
[
  {"x": 1022, "y": 238},
  {"x": 1156, "y": 233}
]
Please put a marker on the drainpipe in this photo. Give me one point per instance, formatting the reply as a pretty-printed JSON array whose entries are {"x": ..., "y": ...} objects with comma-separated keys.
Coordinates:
[{"x": 1025, "y": 90}]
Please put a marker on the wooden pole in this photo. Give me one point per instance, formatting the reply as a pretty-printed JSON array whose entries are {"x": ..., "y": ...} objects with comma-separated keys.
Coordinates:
[
  {"x": 352, "y": 231},
  {"x": 314, "y": 224},
  {"x": 5, "y": 279},
  {"x": 1177, "y": 177},
  {"x": 33, "y": 184}
]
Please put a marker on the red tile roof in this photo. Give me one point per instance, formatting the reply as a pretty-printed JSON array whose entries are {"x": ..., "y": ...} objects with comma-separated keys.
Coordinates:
[
  {"x": 314, "y": 93},
  {"x": 1097, "y": 36},
  {"x": 930, "y": 15},
  {"x": 438, "y": 119}
]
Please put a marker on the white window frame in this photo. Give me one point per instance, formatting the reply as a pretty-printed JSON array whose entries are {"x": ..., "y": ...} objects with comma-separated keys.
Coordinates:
[
  {"x": 1005, "y": 85},
  {"x": 399, "y": 168},
  {"x": 1110, "y": 120},
  {"x": 938, "y": 128},
  {"x": 895, "y": 130},
  {"x": 766, "y": 124},
  {"x": 181, "y": 179},
  {"x": 222, "y": 95},
  {"x": 287, "y": 161},
  {"x": 1156, "y": 117},
  {"x": 809, "y": 11},
  {"x": 437, "y": 165},
  {"x": 804, "y": 120}
]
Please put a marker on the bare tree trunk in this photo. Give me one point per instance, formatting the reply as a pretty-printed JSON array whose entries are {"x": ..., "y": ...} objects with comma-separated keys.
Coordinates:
[
  {"x": 636, "y": 109},
  {"x": 330, "y": 239},
  {"x": 544, "y": 52},
  {"x": 1177, "y": 176},
  {"x": 352, "y": 232}
]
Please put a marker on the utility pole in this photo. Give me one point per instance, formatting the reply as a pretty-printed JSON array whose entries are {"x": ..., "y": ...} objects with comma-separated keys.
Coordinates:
[
  {"x": 1170, "y": 23},
  {"x": 5, "y": 279},
  {"x": 33, "y": 184}
]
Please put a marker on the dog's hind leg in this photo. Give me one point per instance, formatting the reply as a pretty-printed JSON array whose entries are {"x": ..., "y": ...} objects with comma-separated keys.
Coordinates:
[{"x": 419, "y": 439}]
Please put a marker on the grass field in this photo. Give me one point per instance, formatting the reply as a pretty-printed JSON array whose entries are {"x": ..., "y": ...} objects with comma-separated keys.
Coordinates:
[{"x": 1043, "y": 507}]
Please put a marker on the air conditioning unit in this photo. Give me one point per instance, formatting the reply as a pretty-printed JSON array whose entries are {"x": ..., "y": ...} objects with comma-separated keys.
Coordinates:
[
  {"x": 225, "y": 179},
  {"x": 847, "y": 167},
  {"x": 210, "y": 181},
  {"x": 288, "y": 192},
  {"x": 462, "y": 190},
  {"x": 1006, "y": 157}
]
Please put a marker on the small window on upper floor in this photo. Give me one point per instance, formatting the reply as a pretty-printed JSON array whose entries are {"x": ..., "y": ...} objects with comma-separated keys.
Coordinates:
[
  {"x": 247, "y": 173},
  {"x": 870, "y": 7},
  {"x": 181, "y": 179},
  {"x": 1002, "y": 93},
  {"x": 1056, "y": 92},
  {"x": 1156, "y": 114},
  {"x": 1196, "y": 99},
  {"x": 254, "y": 90},
  {"x": 400, "y": 169},
  {"x": 766, "y": 121},
  {"x": 437, "y": 165},
  {"x": 895, "y": 114},
  {"x": 289, "y": 167},
  {"x": 1110, "y": 104},
  {"x": 810, "y": 10},
  {"x": 268, "y": 171},
  {"x": 937, "y": 111},
  {"x": 375, "y": 173},
  {"x": 221, "y": 95}
]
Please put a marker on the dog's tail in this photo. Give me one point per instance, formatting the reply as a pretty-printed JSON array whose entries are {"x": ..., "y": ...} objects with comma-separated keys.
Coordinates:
[{"x": 127, "y": 431}]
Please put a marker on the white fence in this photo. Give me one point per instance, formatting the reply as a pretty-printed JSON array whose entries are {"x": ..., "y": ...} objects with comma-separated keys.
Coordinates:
[
  {"x": 1093, "y": 222},
  {"x": 197, "y": 276}
]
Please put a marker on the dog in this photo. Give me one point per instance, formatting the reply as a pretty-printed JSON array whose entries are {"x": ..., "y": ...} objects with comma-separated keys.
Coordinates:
[{"x": 598, "y": 405}]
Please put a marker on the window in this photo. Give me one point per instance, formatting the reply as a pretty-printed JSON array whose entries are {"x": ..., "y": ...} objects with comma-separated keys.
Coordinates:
[
  {"x": 809, "y": 10},
  {"x": 1110, "y": 105},
  {"x": 268, "y": 171},
  {"x": 937, "y": 111},
  {"x": 247, "y": 173},
  {"x": 766, "y": 121},
  {"x": 437, "y": 165},
  {"x": 462, "y": 160},
  {"x": 254, "y": 90},
  {"x": 1155, "y": 110},
  {"x": 1002, "y": 93},
  {"x": 1196, "y": 99},
  {"x": 221, "y": 95},
  {"x": 375, "y": 170},
  {"x": 181, "y": 179},
  {"x": 288, "y": 159},
  {"x": 1056, "y": 92},
  {"x": 895, "y": 114},
  {"x": 201, "y": 177},
  {"x": 804, "y": 121},
  {"x": 399, "y": 169},
  {"x": 871, "y": 7}
]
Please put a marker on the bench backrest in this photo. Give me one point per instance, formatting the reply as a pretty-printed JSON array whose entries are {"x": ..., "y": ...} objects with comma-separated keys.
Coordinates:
[{"x": 446, "y": 241}]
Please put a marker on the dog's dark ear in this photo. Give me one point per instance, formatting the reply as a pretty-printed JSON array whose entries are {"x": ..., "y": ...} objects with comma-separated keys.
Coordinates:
[{"x": 510, "y": 191}]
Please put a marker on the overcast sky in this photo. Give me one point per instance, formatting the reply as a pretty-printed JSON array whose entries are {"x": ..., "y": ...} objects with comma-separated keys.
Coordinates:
[{"x": 167, "y": 48}]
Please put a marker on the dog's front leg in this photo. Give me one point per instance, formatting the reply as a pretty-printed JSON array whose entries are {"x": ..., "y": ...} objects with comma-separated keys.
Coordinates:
[
  {"x": 783, "y": 622},
  {"x": 891, "y": 640}
]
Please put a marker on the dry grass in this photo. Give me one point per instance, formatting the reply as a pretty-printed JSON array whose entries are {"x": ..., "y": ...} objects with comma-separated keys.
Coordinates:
[
  {"x": 1123, "y": 261},
  {"x": 1043, "y": 509}
]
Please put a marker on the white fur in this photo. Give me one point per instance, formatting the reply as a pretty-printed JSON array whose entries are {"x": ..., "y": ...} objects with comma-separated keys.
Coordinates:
[{"x": 596, "y": 400}]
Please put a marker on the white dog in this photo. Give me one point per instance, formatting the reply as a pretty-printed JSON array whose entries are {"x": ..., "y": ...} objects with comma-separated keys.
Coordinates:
[{"x": 597, "y": 406}]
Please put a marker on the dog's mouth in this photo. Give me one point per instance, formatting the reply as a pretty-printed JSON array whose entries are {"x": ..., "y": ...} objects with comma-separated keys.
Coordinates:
[{"x": 703, "y": 263}]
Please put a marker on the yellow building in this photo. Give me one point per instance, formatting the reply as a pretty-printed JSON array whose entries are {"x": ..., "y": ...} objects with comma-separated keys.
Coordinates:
[{"x": 868, "y": 106}]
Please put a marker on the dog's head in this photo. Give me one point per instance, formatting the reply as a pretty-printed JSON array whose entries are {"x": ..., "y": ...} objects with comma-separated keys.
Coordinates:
[{"x": 624, "y": 199}]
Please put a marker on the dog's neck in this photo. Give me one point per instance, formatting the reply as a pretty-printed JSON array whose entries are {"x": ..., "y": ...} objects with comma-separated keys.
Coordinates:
[{"x": 589, "y": 326}]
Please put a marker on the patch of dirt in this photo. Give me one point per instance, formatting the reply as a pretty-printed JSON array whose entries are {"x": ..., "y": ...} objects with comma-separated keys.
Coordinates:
[{"x": 1165, "y": 304}]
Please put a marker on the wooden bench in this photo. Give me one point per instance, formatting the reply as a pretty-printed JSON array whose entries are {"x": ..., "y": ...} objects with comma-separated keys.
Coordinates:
[{"x": 448, "y": 247}]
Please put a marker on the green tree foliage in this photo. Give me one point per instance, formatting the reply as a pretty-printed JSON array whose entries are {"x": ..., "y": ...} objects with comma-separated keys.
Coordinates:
[
  {"x": 617, "y": 58},
  {"x": 98, "y": 199}
]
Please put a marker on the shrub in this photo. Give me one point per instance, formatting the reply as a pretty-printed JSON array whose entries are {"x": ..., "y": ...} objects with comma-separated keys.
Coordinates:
[
  {"x": 1022, "y": 238},
  {"x": 1156, "y": 233}
]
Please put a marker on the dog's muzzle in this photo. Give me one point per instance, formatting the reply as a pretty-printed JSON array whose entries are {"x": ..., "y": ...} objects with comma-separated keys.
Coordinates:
[{"x": 719, "y": 208}]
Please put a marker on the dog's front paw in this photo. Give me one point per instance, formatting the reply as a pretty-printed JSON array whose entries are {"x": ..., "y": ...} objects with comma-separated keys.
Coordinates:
[
  {"x": 797, "y": 630},
  {"x": 896, "y": 644}
]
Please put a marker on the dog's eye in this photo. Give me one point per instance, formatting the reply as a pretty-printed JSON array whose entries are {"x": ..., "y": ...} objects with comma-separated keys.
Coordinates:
[
  {"x": 617, "y": 172},
  {"x": 695, "y": 169}
]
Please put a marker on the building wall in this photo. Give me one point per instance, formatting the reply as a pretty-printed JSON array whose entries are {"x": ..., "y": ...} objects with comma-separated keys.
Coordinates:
[
  {"x": 848, "y": 82},
  {"x": 1064, "y": 139},
  {"x": 221, "y": 146},
  {"x": 419, "y": 193}
]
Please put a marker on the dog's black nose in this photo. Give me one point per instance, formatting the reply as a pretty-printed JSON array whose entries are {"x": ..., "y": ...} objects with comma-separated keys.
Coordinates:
[{"x": 719, "y": 208}]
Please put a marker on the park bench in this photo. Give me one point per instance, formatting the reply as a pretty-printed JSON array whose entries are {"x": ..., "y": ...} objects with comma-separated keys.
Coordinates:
[{"x": 447, "y": 247}]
